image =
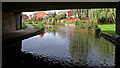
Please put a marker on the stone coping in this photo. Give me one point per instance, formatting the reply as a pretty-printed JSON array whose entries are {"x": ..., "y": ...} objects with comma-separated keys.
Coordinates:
[
  {"x": 9, "y": 37},
  {"x": 115, "y": 39}
]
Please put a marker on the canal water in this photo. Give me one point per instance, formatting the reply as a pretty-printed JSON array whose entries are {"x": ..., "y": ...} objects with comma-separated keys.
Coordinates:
[{"x": 72, "y": 46}]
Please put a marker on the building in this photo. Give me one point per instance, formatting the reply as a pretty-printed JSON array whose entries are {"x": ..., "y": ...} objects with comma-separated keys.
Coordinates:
[
  {"x": 70, "y": 13},
  {"x": 40, "y": 14},
  {"x": 25, "y": 17}
]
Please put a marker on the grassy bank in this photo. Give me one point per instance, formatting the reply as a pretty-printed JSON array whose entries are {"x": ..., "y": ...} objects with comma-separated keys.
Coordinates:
[
  {"x": 108, "y": 28},
  {"x": 37, "y": 26}
]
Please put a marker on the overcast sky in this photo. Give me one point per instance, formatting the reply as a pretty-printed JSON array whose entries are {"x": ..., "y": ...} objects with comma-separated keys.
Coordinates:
[{"x": 29, "y": 13}]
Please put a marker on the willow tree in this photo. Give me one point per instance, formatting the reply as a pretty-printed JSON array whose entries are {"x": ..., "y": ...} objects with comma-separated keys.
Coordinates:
[{"x": 74, "y": 13}]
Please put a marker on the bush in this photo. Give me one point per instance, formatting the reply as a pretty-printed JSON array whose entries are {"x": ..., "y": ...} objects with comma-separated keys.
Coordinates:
[
  {"x": 77, "y": 22},
  {"x": 36, "y": 22},
  {"x": 30, "y": 22},
  {"x": 38, "y": 26},
  {"x": 97, "y": 30},
  {"x": 43, "y": 22},
  {"x": 23, "y": 22},
  {"x": 69, "y": 17},
  {"x": 40, "y": 19},
  {"x": 27, "y": 20},
  {"x": 24, "y": 26}
]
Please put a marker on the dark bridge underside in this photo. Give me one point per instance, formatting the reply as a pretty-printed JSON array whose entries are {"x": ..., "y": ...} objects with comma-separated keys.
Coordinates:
[
  {"x": 37, "y": 6},
  {"x": 12, "y": 14}
]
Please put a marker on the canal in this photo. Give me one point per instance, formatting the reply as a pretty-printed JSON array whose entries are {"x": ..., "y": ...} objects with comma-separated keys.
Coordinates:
[{"x": 71, "y": 46}]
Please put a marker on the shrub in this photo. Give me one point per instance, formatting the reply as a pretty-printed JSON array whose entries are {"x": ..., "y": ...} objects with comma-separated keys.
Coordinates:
[
  {"x": 27, "y": 20},
  {"x": 77, "y": 22},
  {"x": 23, "y": 22},
  {"x": 30, "y": 22},
  {"x": 36, "y": 22},
  {"x": 69, "y": 17},
  {"x": 24, "y": 26},
  {"x": 40, "y": 19},
  {"x": 43, "y": 22},
  {"x": 38, "y": 26},
  {"x": 97, "y": 30}
]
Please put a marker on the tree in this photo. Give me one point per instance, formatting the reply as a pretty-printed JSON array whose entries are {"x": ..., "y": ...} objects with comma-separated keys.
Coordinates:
[
  {"x": 54, "y": 14},
  {"x": 63, "y": 16},
  {"x": 46, "y": 17},
  {"x": 33, "y": 18},
  {"x": 74, "y": 13},
  {"x": 40, "y": 19}
]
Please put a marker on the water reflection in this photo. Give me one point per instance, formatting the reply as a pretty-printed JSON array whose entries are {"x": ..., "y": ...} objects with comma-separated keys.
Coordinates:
[{"x": 73, "y": 45}]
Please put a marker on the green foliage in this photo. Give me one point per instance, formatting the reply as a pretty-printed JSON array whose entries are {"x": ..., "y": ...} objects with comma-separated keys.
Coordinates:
[
  {"x": 33, "y": 18},
  {"x": 57, "y": 17},
  {"x": 52, "y": 28},
  {"x": 27, "y": 20},
  {"x": 38, "y": 26},
  {"x": 42, "y": 22},
  {"x": 69, "y": 17},
  {"x": 40, "y": 19},
  {"x": 97, "y": 30},
  {"x": 36, "y": 22},
  {"x": 30, "y": 22},
  {"x": 81, "y": 13},
  {"x": 24, "y": 26},
  {"x": 52, "y": 15},
  {"x": 62, "y": 16},
  {"x": 80, "y": 22},
  {"x": 108, "y": 28},
  {"x": 103, "y": 12},
  {"x": 68, "y": 22},
  {"x": 46, "y": 17},
  {"x": 96, "y": 14},
  {"x": 77, "y": 22}
]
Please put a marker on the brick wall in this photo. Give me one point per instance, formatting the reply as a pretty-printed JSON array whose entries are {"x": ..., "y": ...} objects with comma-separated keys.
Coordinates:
[
  {"x": 24, "y": 17},
  {"x": 40, "y": 14}
]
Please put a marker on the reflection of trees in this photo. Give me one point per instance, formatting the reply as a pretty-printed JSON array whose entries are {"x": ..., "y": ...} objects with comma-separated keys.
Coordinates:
[
  {"x": 86, "y": 45},
  {"x": 78, "y": 48},
  {"x": 105, "y": 48}
]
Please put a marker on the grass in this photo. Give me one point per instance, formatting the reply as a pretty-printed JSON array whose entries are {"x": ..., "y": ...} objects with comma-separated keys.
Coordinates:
[
  {"x": 37, "y": 26},
  {"x": 24, "y": 26},
  {"x": 25, "y": 22},
  {"x": 108, "y": 28},
  {"x": 69, "y": 22}
]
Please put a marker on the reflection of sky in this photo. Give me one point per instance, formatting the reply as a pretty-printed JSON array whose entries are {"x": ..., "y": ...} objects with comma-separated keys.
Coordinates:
[{"x": 48, "y": 44}]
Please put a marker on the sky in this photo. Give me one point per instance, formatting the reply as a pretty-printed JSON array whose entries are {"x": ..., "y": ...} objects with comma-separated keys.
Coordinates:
[{"x": 28, "y": 13}]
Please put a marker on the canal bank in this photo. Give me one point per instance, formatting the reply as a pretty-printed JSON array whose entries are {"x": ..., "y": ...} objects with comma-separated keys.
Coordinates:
[
  {"x": 9, "y": 37},
  {"x": 115, "y": 39}
]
